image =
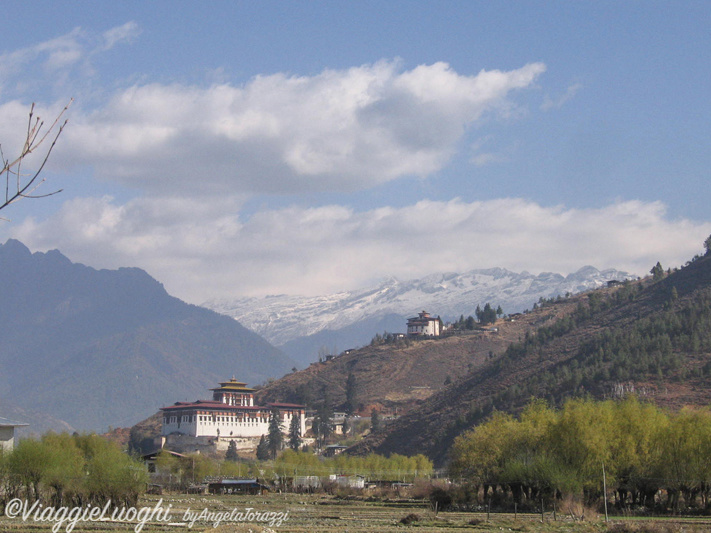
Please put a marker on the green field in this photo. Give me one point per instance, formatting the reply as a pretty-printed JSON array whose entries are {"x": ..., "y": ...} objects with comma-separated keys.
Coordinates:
[{"x": 318, "y": 513}]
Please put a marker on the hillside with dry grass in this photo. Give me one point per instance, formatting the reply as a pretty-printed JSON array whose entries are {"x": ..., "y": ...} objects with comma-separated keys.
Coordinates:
[
  {"x": 651, "y": 337},
  {"x": 397, "y": 376}
]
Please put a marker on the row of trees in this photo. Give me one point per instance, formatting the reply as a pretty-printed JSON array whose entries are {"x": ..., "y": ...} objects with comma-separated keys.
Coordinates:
[
  {"x": 374, "y": 467},
  {"x": 548, "y": 453},
  {"x": 183, "y": 471},
  {"x": 272, "y": 443},
  {"x": 71, "y": 470},
  {"x": 484, "y": 317}
]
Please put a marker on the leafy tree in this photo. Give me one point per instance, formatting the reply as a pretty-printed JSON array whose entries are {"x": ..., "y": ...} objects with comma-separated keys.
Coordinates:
[
  {"x": 66, "y": 468},
  {"x": 232, "y": 454},
  {"x": 295, "y": 433},
  {"x": 111, "y": 474},
  {"x": 29, "y": 463},
  {"x": 275, "y": 438}
]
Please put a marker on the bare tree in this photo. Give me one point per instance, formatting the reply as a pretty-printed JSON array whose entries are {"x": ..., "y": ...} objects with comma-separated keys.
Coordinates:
[{"x": 20, "y": 184}]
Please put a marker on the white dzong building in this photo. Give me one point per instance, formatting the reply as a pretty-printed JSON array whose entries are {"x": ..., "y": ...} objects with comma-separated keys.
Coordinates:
[{"x": 230, "y": 415}]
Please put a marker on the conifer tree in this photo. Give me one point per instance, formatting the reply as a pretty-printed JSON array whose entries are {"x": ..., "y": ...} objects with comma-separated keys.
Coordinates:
[
  {"x": 346, "y": 426},
  {"x": 231, "y": 454},
  {"x": 295, "y": 433},
  {"x": 351, "y": 391},
  {"x": 262, "y": 449},
  {"x": 374, "y": 421},
  {"x": 657, "y": 271},
  {"x": 322, "y": 421},
  {"x": 275, "y": 439}
]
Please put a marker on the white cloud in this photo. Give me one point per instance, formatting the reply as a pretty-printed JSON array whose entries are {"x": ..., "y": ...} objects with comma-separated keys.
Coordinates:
[
  {"x": 481, "y": 156},
  {"x": 204, "y": 249},
  {"x": 570, "y": 92},
  {"x": 340, "y": 130},
  {"x": 125, "y": 33},
  {"x": 58, "y": 61}
]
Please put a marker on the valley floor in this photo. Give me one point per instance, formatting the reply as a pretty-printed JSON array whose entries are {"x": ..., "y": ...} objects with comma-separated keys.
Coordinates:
[{"x": 325, "y": 514}]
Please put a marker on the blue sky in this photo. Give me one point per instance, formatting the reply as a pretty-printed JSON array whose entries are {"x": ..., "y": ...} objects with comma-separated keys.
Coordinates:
[{"x": 251, "y": 148}]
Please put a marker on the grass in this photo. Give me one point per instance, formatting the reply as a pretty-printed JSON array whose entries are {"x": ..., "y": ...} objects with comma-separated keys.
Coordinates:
[{"x": 325, "y": 514}]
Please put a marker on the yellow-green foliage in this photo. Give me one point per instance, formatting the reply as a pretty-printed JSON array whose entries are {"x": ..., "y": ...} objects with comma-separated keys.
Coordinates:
[
  {"x": 395, "y": 467},
  {"x": 65, "y": 469},
  {"x": 640, "y": 445}
]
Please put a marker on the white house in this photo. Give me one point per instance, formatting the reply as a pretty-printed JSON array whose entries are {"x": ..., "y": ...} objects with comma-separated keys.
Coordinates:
[
  {"x": 7, "y": 433},
  {"x": 424, "y": 325}
]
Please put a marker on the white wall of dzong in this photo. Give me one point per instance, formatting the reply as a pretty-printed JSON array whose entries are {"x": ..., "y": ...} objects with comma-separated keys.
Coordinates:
[{"x": 223, "y": 424}]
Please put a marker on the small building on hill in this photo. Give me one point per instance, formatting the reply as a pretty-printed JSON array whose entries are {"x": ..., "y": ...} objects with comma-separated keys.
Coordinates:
[{"x": 424, "y": 325}]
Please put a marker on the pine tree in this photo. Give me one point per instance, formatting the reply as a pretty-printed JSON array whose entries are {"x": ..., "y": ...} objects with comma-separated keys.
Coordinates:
[
  {"x": 322, "y": 421},
  {"x": 231, "y": 454},
  {"x": 374, "y": 421},
  {"x": 351, "y": 391},
  {"x": 657, "y": 271},
  {"x": 295, "y": 433},
  {"x": 275, "y": 439},
  {"x": 262, "y": 449},
  {"x": 346, "y": 426}
]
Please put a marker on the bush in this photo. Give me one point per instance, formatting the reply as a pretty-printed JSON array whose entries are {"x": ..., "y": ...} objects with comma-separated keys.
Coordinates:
[
  {"x": 440, "y": 499},
  {"x": 409, "y": 519}
]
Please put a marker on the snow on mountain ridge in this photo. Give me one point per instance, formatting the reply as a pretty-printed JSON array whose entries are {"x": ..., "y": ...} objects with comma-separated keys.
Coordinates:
[{"x": 286, "y": 317}]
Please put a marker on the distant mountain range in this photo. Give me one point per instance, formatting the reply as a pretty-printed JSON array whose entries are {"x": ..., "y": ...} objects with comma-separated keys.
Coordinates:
[
  {"x": 83, "y": 348},
  {"x": 301, "y": 326}
]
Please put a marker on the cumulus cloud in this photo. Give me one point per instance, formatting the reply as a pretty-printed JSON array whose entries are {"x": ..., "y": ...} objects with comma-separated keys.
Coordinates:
[
  {"x": 204, "y": 249},
  {"x": 340, "y": 130}
]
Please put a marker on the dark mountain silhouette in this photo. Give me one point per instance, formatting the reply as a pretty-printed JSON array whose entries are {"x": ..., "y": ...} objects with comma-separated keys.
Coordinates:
[{"x": 94, "y": 348}]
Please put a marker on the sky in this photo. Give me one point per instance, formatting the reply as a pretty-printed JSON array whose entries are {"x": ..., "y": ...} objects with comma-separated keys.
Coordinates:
[{"x": 236, "y": 149}]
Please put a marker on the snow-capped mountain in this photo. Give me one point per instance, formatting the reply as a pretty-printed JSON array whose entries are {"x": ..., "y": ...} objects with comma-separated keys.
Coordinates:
[{"x": 281, "y": 319}]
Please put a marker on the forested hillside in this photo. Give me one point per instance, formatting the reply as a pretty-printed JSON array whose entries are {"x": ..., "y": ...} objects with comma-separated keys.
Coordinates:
[{"x": 652, "y": 337}]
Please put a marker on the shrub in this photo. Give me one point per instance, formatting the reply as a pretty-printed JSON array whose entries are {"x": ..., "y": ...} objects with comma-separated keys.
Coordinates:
[{"x": 409, "y": 519}]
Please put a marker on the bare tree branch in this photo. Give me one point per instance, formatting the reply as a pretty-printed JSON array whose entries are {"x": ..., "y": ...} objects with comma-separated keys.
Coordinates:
[{"x": 17, "y": 184}]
